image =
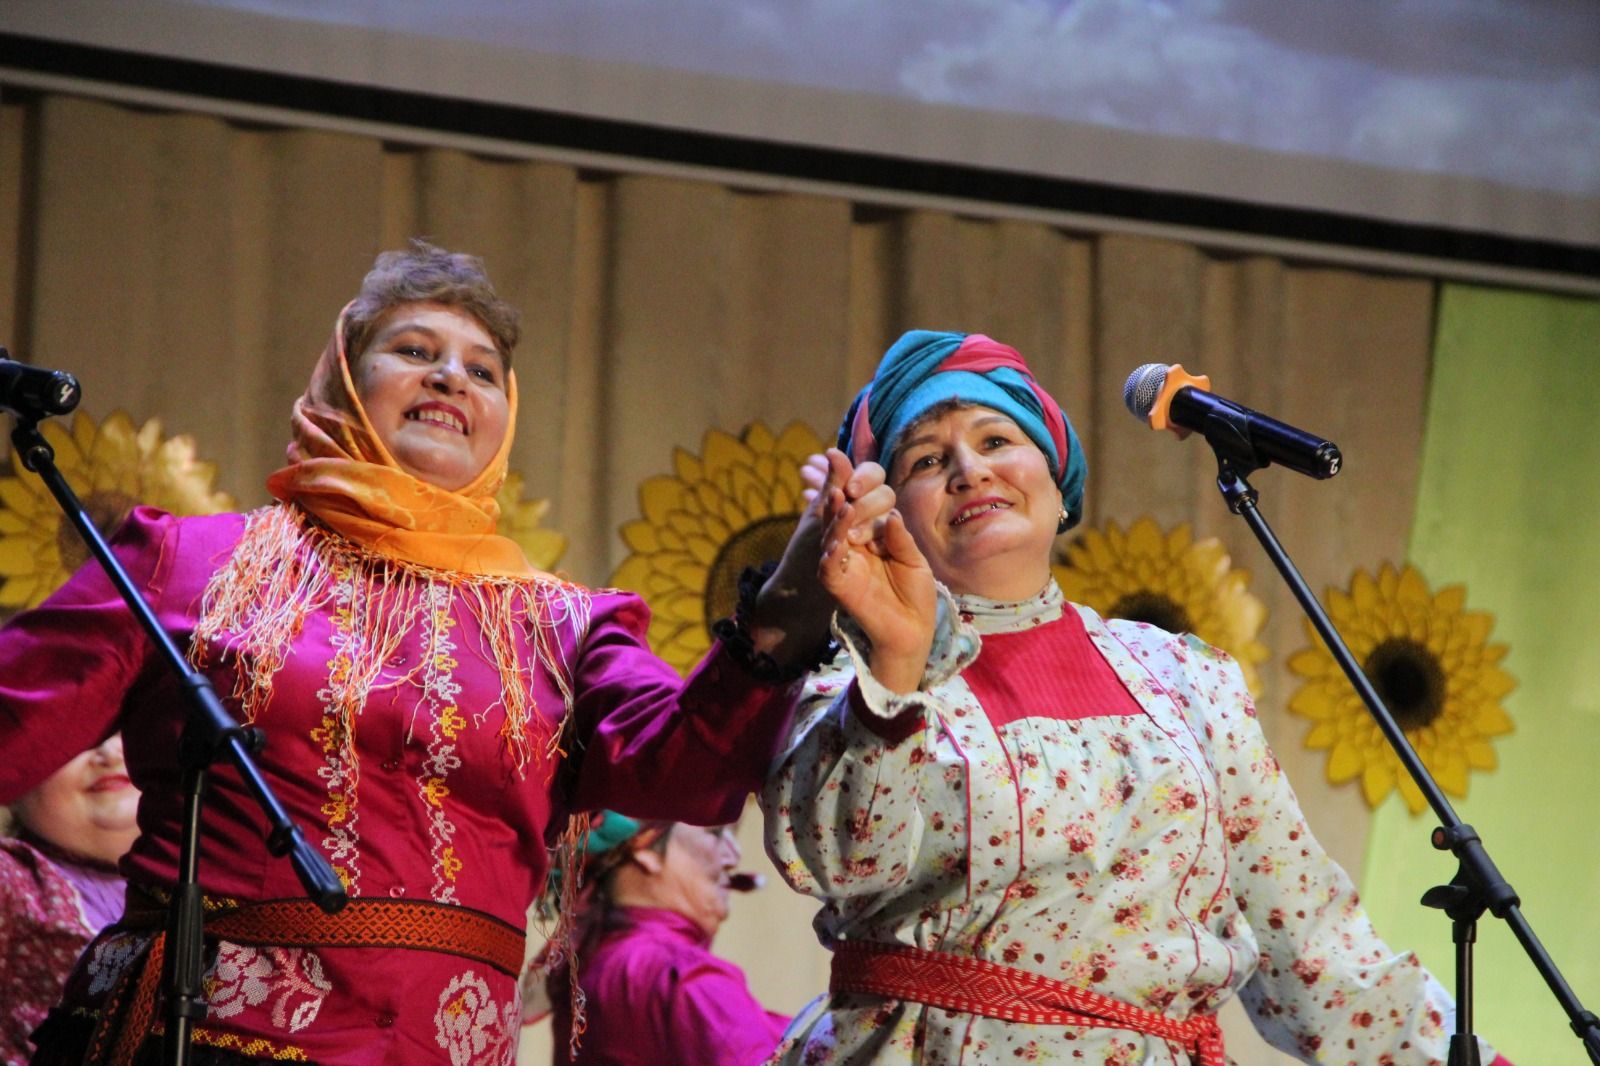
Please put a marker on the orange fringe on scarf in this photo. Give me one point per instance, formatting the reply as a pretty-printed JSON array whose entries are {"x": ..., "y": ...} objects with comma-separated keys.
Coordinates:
[{"x": 287, "y": 567}]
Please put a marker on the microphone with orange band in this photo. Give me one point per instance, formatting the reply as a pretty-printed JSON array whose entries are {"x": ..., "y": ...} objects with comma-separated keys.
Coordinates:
[{"x": 1168, "y": 397}]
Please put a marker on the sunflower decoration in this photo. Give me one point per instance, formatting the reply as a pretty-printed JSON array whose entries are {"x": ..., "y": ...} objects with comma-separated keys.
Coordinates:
[
  {"x": 522, "y": 521},
  {"x": 1430, "y": 660},
  {"x": 1170, "y": 580},
  {"x": 112, "y": 467},
  {"x": 730, "y": 507}
]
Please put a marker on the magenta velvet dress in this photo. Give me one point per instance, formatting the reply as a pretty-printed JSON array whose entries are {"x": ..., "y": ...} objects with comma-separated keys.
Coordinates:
[{"x": 441, "y": 813}]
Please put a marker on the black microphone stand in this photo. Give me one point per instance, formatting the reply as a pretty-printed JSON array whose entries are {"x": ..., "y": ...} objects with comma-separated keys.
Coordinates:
[
  {"x": 1477, "y": 885},
  {"x": 209, "y": 732}
]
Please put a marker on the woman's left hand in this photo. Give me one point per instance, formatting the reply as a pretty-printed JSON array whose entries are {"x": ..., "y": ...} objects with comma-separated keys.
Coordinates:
[{"x": 794, "y": 609}]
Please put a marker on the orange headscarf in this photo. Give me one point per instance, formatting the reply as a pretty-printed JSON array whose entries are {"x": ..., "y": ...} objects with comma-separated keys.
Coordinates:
[{"x": 340, "y": 472}]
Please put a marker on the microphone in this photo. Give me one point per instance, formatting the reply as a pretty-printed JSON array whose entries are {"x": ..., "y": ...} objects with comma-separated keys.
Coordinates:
[
  {"x": 745, "y": 882},
  {"x": 34, "y": 392},
  {"x": 1168, "y": 397}
]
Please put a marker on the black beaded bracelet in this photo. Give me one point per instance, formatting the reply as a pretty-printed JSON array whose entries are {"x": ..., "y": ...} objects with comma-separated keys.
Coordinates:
[{"x": 734, "y": 632}]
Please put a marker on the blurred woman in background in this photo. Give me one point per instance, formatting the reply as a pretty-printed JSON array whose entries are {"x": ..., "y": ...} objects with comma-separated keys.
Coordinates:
[
  {"x": 654, "y": 896},
  {"x": 59, "y": 884}
]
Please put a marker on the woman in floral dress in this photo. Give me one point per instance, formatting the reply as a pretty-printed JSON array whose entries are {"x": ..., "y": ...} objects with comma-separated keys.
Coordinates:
[{"x": 1039, "y": 835}]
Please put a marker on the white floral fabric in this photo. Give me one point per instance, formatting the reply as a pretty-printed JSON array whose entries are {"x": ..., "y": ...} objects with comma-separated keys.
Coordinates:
[{"x": 1151, "y": 851}]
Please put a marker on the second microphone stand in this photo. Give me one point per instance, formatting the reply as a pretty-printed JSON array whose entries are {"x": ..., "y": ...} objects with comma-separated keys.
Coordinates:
[{"x": 1477, "y": 885}]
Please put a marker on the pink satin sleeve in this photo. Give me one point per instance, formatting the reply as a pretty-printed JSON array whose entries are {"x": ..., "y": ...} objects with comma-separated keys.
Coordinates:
[{"x": 658, "y": 746}]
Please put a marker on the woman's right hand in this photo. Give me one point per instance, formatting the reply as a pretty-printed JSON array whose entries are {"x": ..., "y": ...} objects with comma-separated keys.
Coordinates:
[{"x": 876, "y": 573}]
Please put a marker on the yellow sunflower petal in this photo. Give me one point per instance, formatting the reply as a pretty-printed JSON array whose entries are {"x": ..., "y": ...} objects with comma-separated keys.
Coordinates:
[
  {"x": 1449, "y": 600},
  {"x": 1377, "y": 781},
  {"x": 659, "y": 497},
  {"x": 1322, "y": 735},
  {"x": 641, "y": 537},
  {"x": 72, "y": 446},
  {"x": 1145, "y": 539},
  {"x": 721, "y": 450},
  {"x": 1491, "y": 720},
  {"x": 22, "y": 497},
  {"x": 18, "y": 556},
  {"x": 1345, "y": 761},
  {"x": 797, "y": 441},
  {"x": 1480, "y": 753},
  {"x": 19, "y": 592},
  {"x": 1102, "y": 554},
  {"x": 1450, "y": 770},
  {"x": 1411, "y": 794},
  {"x": 687, "y": 466},
  {"x": 1363, "y": 594}
]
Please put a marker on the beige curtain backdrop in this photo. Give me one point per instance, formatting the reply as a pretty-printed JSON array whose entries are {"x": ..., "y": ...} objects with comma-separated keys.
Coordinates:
[{"x": 190, "y": 268}]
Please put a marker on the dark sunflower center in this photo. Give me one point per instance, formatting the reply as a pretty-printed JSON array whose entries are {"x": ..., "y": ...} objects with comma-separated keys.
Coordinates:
[
  {"x": 1409, "y": 678},
  {"x": 106, "y": 510},
  {"x": 756, "y": 543},
  {"x": 1154, "y": 608}
]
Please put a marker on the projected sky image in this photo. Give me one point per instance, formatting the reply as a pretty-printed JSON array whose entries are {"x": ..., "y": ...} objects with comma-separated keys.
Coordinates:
[{"x": 1502, "y": 91}]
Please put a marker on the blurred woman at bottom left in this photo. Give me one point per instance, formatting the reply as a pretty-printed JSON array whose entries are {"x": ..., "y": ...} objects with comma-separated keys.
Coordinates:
[{"x": 59, "y": 884}]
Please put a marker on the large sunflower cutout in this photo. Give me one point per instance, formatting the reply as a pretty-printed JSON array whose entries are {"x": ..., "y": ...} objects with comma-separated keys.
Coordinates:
[
  {"x": 1430, "y": 660},
  {"x": 1170, "y": 580},
  {"x": 732, "y": 506},
  {"x": 522, "y": 521},
  {"x": 113, "y": 467}
]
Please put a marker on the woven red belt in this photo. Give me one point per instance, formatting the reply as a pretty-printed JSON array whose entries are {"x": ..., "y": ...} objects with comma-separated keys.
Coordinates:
[
  {"x": 976, "y": 986},
  {"x": 363, "y": 923}
]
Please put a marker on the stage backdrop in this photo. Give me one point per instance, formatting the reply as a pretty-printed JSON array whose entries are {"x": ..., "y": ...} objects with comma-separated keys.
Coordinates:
[{"x": 189, "y": 269}]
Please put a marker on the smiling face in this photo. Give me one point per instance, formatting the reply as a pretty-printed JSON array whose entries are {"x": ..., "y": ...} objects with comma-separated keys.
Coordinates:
[
  {"x": 86, "y": 807},
  {"x": 979, "y": 499},
  {"x": 434, "y": 388}
]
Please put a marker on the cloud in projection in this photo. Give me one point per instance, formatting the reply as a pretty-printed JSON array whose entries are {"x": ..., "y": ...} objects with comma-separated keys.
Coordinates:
[{"x": 1502, "y": 90}]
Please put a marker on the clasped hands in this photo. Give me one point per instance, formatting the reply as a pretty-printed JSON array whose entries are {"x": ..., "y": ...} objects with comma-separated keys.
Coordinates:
[{"x": 851, "y": 550}]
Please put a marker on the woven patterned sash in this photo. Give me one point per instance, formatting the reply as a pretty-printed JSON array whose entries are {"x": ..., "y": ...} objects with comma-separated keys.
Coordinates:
[
  {"x": 363, "y": 923},
  {"x": 976, "y": 986}
]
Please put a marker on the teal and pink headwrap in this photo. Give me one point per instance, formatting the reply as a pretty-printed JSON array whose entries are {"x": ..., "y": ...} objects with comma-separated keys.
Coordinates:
[{"x": 925, "y": 368}]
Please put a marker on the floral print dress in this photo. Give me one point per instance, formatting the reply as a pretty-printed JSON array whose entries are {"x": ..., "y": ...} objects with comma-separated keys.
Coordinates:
[{"x": 1135, "y": 838}]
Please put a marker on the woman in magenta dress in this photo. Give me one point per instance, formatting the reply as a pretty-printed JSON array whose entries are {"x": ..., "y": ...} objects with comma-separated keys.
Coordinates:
[{"x": 420, "y": 685}]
